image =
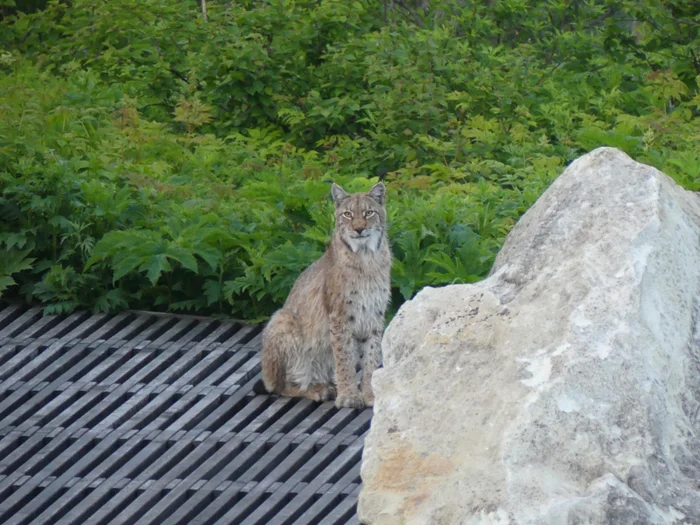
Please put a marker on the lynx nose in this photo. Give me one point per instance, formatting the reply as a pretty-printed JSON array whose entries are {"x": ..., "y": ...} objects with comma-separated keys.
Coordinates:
[{"x": 360, "y": 229}]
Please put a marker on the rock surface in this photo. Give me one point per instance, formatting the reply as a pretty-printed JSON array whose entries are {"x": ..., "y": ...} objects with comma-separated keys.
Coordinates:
[{"x": 565, "y": 388}]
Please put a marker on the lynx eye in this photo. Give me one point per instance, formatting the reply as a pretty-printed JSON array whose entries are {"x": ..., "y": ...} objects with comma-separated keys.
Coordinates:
[
  {"x": 369, "y": 213},
  {"x": 347, "y": 214}
]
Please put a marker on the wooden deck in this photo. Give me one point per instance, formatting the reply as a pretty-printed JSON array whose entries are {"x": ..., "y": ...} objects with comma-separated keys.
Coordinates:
[{"x": 150, "y": 419}]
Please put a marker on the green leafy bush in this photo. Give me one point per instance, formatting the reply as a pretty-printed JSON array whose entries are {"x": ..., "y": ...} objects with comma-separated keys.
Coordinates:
[{"x": 150, "y": 159}]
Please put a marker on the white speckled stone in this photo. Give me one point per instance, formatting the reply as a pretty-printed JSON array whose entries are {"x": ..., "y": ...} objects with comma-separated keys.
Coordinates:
[{"x": 565, "y": 388}]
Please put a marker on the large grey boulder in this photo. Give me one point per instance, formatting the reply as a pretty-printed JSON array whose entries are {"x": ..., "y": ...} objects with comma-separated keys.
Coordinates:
[{"x": 565, "y": 388}]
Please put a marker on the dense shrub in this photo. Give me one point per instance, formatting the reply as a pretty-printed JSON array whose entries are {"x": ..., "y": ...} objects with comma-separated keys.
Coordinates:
[{"x": 150, "y": 159}]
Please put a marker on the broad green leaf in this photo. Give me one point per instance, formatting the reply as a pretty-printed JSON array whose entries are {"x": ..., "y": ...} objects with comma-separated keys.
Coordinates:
[
  {"x": 212, "y": 291},
  {"x": 212, "y": 256},
  {"x": 183, "y": 256},
  {"x": 5, "y": 282},
  {"x": 125, "y": 266},
  {"x": 155, "y": 266}
]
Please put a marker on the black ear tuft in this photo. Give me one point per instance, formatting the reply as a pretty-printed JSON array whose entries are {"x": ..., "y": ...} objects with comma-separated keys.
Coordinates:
[{"x": 378, "y": 192}]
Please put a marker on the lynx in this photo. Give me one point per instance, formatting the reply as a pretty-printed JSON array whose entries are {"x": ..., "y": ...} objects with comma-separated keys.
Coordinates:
[{"x": 335, "y": 312}]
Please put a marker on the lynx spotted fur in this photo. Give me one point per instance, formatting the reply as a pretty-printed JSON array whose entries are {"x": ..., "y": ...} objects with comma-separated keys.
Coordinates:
[{"x": 334, "y": 314}]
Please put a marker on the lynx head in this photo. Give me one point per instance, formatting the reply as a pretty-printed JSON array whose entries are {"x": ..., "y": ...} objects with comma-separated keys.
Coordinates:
[{"x": 360, "y": 218}]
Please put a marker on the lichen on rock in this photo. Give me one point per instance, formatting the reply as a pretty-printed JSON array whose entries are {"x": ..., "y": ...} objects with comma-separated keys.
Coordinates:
[{"x": 563, "y": 389}]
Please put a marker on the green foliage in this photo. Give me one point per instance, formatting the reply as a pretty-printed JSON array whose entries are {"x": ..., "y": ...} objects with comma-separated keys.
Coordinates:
[{"x": 150, "y": 159}]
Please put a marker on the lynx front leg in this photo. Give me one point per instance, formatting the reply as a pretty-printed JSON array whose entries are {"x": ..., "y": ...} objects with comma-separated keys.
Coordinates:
[
  {"x": 348, "y": 394},
  {"x": 372, "y": 355}
]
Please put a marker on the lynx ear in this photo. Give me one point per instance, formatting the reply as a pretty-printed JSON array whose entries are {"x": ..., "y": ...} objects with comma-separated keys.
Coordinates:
[
  {"x": 378, "y": 192},
  {"x": 338, "y": 194}
]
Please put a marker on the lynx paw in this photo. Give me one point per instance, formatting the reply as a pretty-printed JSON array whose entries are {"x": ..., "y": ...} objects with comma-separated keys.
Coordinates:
[
  {"x": 322, "y": 393},
  {"x": 368, "y": 398},
  {"x": 354, "y": 401}
]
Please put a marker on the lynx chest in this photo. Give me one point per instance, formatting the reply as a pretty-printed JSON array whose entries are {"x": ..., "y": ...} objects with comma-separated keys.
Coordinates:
[{"x": 366, "y": 297}]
